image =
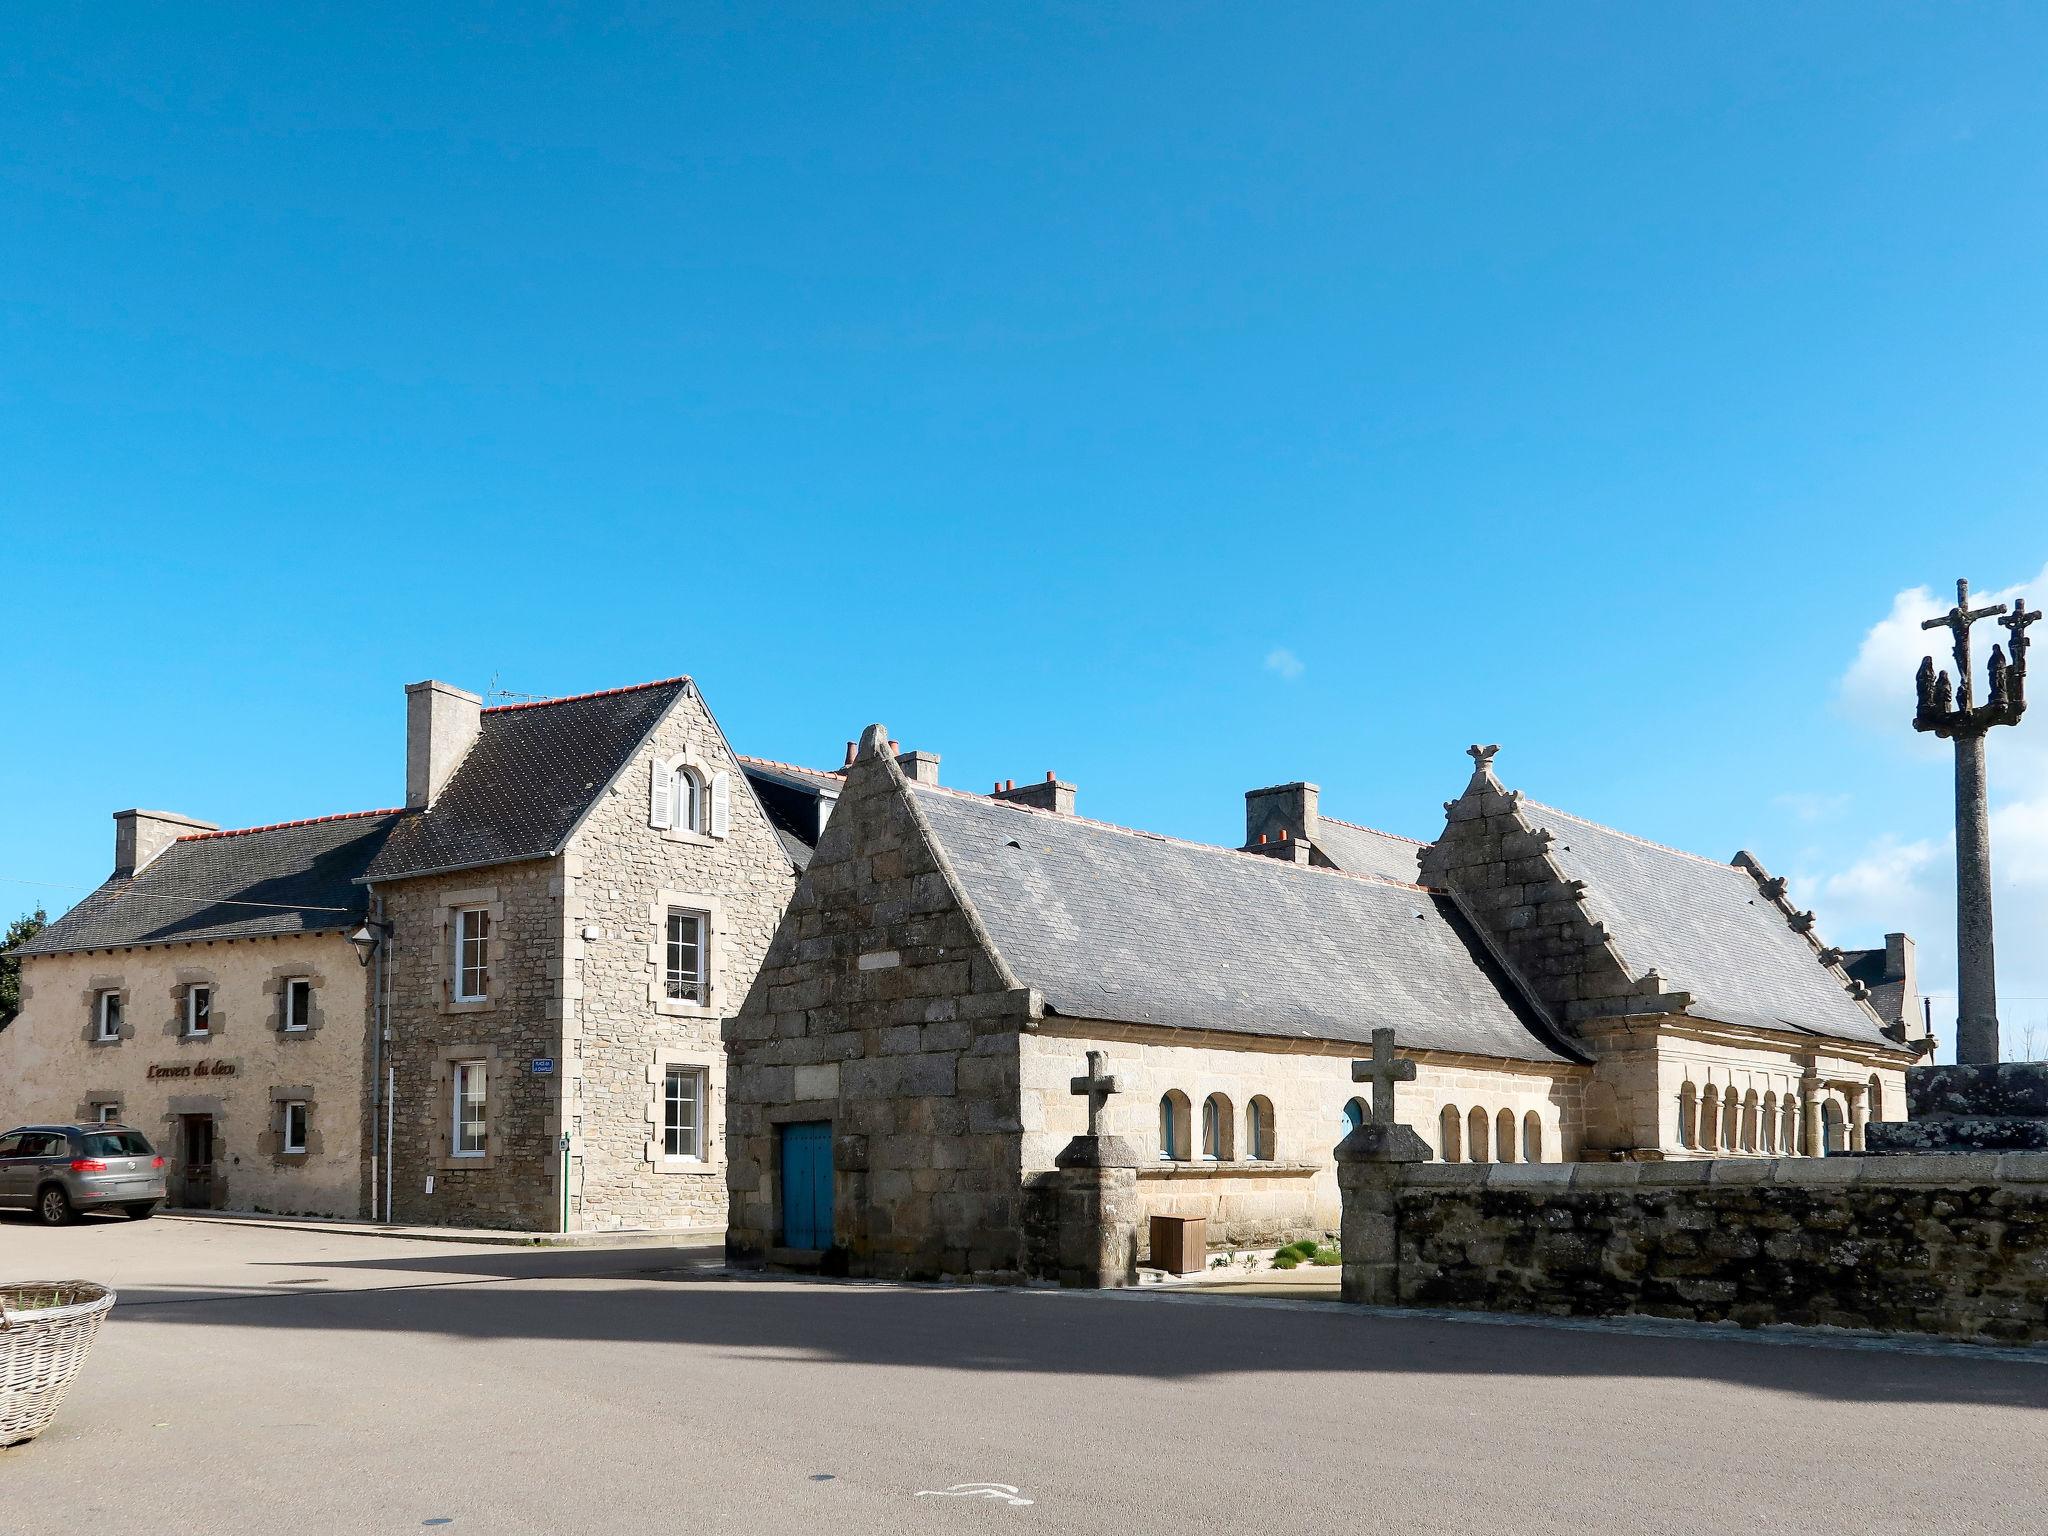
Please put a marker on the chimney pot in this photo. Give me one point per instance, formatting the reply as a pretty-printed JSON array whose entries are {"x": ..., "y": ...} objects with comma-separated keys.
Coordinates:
[
  {"x": 1283, "y": 812},
  {"x": 1051, "y": 777},
  {"x": 441, "y": 724},
  {"x": 1262, "y": 837},
  {"x": 1048, "y": 795},
  {"x": 895, "y": 746},
  {"x": 852, "y": 751}
]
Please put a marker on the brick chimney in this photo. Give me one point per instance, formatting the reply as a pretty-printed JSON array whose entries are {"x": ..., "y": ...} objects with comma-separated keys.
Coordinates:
[
  {"x": 139, "y": 836},
  {"x": 1050, "y": 794},
  {"x": 441, "y": 723}
]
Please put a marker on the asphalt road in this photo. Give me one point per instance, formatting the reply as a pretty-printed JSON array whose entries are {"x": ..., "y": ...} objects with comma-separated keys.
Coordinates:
[{"x": 257, "y": 1380}]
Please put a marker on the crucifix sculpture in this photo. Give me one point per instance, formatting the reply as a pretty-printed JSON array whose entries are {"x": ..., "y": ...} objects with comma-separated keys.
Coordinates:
[
  {"x": 1097, "y": 1086},
  {"x": 1383, "y": 1071},
  {"x": 1948, "y": 708}
]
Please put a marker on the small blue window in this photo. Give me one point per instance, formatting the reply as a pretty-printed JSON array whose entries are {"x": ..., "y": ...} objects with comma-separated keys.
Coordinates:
[{"x": 1354, "y": 1116}]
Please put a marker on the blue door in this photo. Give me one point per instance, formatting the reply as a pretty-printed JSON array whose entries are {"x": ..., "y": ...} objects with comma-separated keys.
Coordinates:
[{"x": 807, "y": 1185}]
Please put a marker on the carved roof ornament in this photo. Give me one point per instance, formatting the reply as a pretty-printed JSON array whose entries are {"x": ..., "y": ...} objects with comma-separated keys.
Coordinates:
[{"x": 1482, "y": 756}]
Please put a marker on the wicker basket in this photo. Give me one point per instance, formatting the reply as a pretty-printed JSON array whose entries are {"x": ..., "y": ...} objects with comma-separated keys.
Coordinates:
[{"x": 46, "y": 1331}]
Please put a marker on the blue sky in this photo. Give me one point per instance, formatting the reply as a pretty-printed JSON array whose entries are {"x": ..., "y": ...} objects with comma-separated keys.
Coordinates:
[{"x": 1182, "y": 397}]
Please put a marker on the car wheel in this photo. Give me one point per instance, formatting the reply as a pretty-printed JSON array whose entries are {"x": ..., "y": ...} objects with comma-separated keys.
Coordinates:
[
  {"x": 141, "y": 1212},
  {"x": 53, "y": 1206}
]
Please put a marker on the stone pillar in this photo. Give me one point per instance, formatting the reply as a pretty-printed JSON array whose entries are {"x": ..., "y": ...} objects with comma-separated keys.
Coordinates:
[
  {"x": 1098, "y": 1212},
  {"x": 1812, "y": 1129},
  {"x": 1859, "y": 1116},
  {"x": 1370, "y": 1165},
  {"x": 1976, "y": 975}
]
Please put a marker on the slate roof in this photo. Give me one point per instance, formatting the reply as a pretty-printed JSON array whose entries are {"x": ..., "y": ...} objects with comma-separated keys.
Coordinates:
[
  {"x": 298, "y": 877},
  {"x": 1134, "y": 928},
  {"x": 527, "y": 781},
  {"x": 790, "y": 796},
  {"x": 1707, "y": 929},
  {"x": 1365, "y": 851}
]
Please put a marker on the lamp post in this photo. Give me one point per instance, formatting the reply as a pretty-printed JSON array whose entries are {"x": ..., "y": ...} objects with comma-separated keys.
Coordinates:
[
  {"x": 370, "y": 939},
  {"x": 1948, "y": 708}
]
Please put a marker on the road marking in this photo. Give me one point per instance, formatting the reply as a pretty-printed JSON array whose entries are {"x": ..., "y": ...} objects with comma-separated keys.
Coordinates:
[{"x": 1001, "y": 1493}]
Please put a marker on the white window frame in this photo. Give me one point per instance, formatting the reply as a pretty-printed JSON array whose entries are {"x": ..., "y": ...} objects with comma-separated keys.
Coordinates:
[
  {"x": 295, "y": 1021},
  {"x": 106, "y": 1112},
  {"x": 689, "y": 799},
  {"x": 700, "y": 993},
  {"x": 699, "y": 1079},
  {"x": 193, "y": 993},
  {"x": 459, "y": 1075},
  {"x": 463, "y": 941},
  {"x": 285, "y": 1142},
  {"x": 112, "y": 1010}
]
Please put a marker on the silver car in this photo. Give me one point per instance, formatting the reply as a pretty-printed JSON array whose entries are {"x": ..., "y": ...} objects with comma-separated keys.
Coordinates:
[{"x": 58, "y": 1171}]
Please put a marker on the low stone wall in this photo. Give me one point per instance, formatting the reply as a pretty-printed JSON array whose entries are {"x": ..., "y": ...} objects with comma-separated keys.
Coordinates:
[{"x": 1951, "y": 1245}]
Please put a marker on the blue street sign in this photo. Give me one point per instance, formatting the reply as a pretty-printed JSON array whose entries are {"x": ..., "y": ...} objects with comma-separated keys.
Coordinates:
[{"x": 543, "y": 1066}]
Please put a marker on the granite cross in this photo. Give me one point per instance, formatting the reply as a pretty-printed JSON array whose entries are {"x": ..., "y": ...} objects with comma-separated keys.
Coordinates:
[
  {"x": 1383, "y": 1071},
  {"x": 1097, "y": 1086}
]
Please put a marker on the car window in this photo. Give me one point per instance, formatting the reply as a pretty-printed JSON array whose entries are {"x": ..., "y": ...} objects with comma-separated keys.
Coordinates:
[
  {"x": 117, "y": 1144},
  {"x": 39, "y": 1144},
  {"x": 10, "y": 1144}
]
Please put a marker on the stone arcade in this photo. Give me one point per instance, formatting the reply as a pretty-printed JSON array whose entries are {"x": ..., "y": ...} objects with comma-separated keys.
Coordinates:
[{"x": 1562, "y": 991}]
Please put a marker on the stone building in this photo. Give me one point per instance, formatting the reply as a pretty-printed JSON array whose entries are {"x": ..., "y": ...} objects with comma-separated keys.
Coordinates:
[
  {"x": 207, "y": 994},
  {"x": 902, "y": 1070},
  {"x": 579, "y": 891}
]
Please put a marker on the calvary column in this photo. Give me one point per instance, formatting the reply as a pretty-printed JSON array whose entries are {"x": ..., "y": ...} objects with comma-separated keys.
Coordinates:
[{"x": 1948, "y": 708}]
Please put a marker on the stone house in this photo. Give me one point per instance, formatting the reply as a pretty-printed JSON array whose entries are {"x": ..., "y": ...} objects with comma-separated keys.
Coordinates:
[
  {"x": 207, "y": 994},
  {"x": 901, "y": 1073},
  {"x": 578, "y": 892}
]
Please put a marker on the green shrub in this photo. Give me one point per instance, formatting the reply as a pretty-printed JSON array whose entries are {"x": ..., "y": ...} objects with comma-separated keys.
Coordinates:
[
  {"x": 1286, "y": 1258},
  {"x": 1324, "y": 1258},
  {"x": 1301, "y": 1247}
]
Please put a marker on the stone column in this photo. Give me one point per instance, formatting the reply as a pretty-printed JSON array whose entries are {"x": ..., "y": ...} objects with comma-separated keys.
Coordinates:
[
  {"x": 1370, "y": 1165},
  {"x": 1812, "y": 1129},
  {"x": 1098, "y": 1212},
  {"x": 1976, "y": 974},
  {"x": 1859, "y": 1116}
]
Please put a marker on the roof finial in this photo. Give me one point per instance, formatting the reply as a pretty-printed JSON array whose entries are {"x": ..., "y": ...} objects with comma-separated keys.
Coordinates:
[
  {"x": 874, "y": 741},
  {"x": 1482, "y": 756}
]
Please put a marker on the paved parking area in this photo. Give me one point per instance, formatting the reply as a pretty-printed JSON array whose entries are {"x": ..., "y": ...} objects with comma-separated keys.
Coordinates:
[{"x": 258, "y": 1379}]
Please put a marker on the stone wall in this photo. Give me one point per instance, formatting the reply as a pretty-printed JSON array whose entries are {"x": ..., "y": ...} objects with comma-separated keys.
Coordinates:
[
  {"x": 1952, "y": 1245},
  {"x": 881, "y": 1010},
  {"x": 516, "y": 1183},
  {"x": 53, "y": 1068},
  {"x": 622, "y": 1032}
]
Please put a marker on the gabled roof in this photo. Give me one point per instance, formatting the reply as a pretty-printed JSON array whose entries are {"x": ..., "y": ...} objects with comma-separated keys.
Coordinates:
[
  {"x": 296, "y": 877},
  {"x": 1707, "y": 929},
  {"x": 790, "y": 796},
  {"x": 528, "y": 779},
  {"x": 1367, "y": 851},
  {"x": 1130, "y": 927}
]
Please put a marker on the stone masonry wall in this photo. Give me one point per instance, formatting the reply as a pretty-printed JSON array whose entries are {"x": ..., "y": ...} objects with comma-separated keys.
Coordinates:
[
  {"x": 622, "y": 1033},
  {"x": 516, "y": 1184},
  {"x": 1953, "y": 1245},
  {"x": 881, "y": 1010}
]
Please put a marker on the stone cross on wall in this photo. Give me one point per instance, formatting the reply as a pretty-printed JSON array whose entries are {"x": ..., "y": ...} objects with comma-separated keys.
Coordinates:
[
  {"x": 1097, "y": 1086},
  {"x": 1382, "y": 1071}
]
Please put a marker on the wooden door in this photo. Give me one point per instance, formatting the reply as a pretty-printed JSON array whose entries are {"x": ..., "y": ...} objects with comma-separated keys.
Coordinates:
[
  {"x": 196, "y": 1170},
  {"x": 807, "y": 1192}
]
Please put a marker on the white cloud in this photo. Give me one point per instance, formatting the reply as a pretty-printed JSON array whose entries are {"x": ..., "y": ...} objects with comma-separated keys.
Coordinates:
[
  {"x": 1285, "y": 662},
  {"x": 1812, "y": 807},
  {"x": 1877, "y": 690}
]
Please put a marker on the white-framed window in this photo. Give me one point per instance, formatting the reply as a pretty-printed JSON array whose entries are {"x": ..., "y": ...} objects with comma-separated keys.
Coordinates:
[
  {"x": 467, "y": 1138},
  {"x": 198, "y": 1011},
  {"x": 106, "y": 1112},
  {"x": 109, "y": 1012},
  {"x": 682, "y": 797},
  {"x": 472, "y": 954},
  {"x": 295, "y": 1123},
  {"x": 298, "y": 1004},
  {"x": 686, "y": 974},
  {"x": 682, "y": 1113}
]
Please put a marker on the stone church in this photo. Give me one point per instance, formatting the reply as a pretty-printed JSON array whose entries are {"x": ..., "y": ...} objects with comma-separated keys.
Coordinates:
[{"x": 900, "y": 1075}]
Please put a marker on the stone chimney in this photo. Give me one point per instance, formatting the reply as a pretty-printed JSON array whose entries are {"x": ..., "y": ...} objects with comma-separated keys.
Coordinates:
[
  {"x": 441, "y": 723},
  {"x": 1051, "y": 794},
  {"x": 139, "y": 836},
  {"x": 1284, "y": 813},
  {"x": 922, "y": 767}
]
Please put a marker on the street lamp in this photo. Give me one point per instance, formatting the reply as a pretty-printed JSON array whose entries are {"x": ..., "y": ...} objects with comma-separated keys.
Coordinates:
[{"x": 367, "y": 938}]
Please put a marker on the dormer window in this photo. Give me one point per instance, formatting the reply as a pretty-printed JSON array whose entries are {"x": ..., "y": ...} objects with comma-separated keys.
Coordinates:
[{"x": 684, "y": 797}]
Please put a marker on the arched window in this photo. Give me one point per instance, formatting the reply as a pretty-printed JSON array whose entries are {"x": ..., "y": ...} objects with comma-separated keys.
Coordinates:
[
  {"x": 1689, "y": 1116},
  {"x": 1504, "y": 1136},
  {"x": 1532, "y": 1137},
  {"x": 1173, "y": 1127},
  {"x": 1834, "y": 1127},
  {"x": 1876, "y": 1098},
  {"x": 1749, "y": 1118},
  {"x": 1216, "y": 1146},
  {"x": 684, "y": 797},
  {"x": 1258, "y": 1129},
  {"x": 1356, "y": 1113},
  {"x": 1794, "y": 1147},
  {"x": 1448, "y": 1124},
  {"x": 1770, "y": 1123},
  {"x": 1710, "y": 1118},
  {"x": 1477, "y": 1134}
]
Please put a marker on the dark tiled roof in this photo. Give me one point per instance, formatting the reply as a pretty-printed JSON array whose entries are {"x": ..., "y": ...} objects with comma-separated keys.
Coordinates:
[
  {"x": 1707, "y": 930},
  {"x": 816, "y": 780},
  {"x": 1364, "y": 851},
  {"x": 526, "y": 782},
  {"x": 299, "y": 877},
  {"x": 1135, "y": 928}
]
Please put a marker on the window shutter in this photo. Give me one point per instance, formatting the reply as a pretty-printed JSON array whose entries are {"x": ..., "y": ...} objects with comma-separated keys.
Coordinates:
[
  {"x": 721, "y": 803},
  {"x": 659, "y": 813}
]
